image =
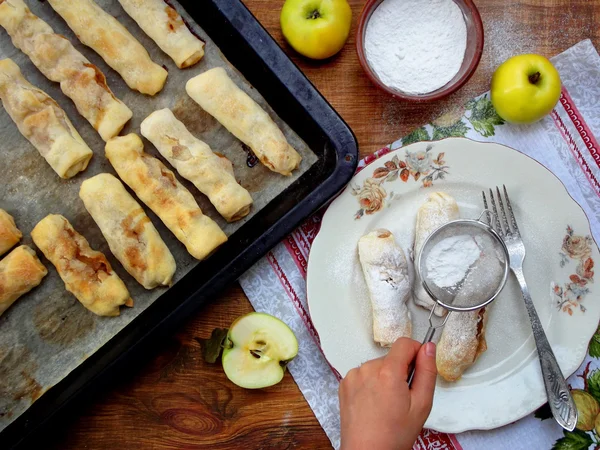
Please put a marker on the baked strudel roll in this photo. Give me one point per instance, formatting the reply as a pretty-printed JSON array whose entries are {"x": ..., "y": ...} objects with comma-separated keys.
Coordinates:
[
  {"x": 43, "y": 122},
  {"x": 165, "y": 26},
  {"x": 219, "y": 96},
  {"x": 212, "y": 174},
  {"x": 386, "y": 273},
  {"x": 87, "y": 274},
  {"x": 129, "y": 232},
  {"x": 438, "y": 209},
  {"x": 20, "y": 272}
]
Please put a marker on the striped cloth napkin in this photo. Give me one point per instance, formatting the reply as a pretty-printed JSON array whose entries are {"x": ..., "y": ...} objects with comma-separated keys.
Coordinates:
[{"x": 565, "y": 143}]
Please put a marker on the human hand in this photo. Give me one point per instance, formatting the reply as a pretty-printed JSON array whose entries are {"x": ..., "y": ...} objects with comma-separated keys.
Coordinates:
[{"x": 378, "y": 411}]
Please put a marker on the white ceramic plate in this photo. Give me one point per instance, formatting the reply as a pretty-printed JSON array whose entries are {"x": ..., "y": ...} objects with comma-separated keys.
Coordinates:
[{"x": 505, "y": 384}]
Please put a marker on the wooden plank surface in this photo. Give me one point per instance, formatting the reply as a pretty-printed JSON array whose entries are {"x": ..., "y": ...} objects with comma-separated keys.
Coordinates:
[{"x": 175, "y": 400}]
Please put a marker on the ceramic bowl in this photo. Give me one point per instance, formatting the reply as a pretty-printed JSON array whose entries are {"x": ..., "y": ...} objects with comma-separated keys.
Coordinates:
[{"x": 471, "y": 60}]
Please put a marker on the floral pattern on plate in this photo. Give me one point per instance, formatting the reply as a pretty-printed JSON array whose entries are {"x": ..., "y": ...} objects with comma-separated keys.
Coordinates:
[
  {"x": 418, "y": 165},
  {"x": 578, "y": 249}
]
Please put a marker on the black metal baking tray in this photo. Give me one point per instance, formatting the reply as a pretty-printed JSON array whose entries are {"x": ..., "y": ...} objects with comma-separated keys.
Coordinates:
[{"x": 249, "y": 47}]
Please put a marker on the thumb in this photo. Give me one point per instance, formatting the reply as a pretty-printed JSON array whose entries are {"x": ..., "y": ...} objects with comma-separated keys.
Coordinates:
[{"x": 423, "y": 384}]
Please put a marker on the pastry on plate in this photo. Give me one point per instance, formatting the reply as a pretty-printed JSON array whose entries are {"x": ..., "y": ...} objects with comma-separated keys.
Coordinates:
[
  {"x": 20, "y": 272},
  {"x": 438, "y": 209},
  {"x": 212, "y": 174},
  {"x": 164, "y": 25},
  {"x": 87, "y": 274},
  {"x": 105, "y": 35},
  {"x": 42, "y": 122},
  {"x": 386, "y": 273},
  {"x": 158, "y": 188},
  {"x": 463, "y": 337},
  {"x": 219, "y": 96},
  {"x": 10, "y": 235},
  {"x": 128, "y": 230},
  {"x": 60, "y": 62}
]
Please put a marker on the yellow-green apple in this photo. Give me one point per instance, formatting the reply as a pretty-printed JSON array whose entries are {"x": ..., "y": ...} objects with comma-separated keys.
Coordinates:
[
  {"x": 257, "y": 350},
  {"x": 316, "y": 29},
  {"x": 525, "y": 88}
]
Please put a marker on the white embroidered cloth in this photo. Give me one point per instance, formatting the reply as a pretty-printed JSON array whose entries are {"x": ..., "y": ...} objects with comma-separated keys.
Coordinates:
[{"x": 564, "y": 142}]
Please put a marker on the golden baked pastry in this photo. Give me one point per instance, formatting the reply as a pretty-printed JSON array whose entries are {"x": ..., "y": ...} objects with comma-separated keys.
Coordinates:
[
  {"x": 194, "y": 160},
  {"x": 438, "y": 209},
  {"x": 463, "y": 337},
  {"x": 158, "y": 188},
  {"x": 165, "y": 26},
  {"x": 42, "y": 122},
  {"x": 105, "y": 35},
  {"x": 10, "y": 235},
  {"x": 219, "y": 96},
  {"x": 87, "y": 274},
  {"x": 129, "y": 232},
  {"x": 20, "y": 272},
  {"x": 386, "y": 273},
  {"x": 58, "y": 60}
]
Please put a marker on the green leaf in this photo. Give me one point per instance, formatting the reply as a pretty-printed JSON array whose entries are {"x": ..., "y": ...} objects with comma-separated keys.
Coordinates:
[
  {"x": 575, "y": 440},
  {"x": 459, "y": 129},
  {"x": 594, "y": 349},
  {"x": 417, "y": 135},
  {"x": 484, "y": 116},
  {"x": 593, "y": 383},
  {"x": 543, "y": 412},
  {"x": 212, "y": 347}
]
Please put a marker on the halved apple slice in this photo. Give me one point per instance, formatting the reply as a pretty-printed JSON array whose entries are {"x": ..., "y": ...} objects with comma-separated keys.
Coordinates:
[{"x": 257, "y": 350}]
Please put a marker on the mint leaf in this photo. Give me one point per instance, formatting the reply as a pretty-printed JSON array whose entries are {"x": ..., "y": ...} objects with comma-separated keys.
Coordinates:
[
  {"x": 574, "y": 440},
  {"x": 417, "y": 135},
  {"x": 593, "y": 383},
  {"x": 212, "y": 347},
  {"x": 459, "y": 129},
  {"x": 594, "y": 349},
  {"x": 484, "y": 116}
]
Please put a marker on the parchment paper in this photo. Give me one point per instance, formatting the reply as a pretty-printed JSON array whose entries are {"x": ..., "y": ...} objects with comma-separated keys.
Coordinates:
[{"x": 47, "y": 333}]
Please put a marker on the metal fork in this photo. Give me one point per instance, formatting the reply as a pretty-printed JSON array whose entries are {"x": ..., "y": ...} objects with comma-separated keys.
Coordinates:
[{"x": 560, "y": 400}]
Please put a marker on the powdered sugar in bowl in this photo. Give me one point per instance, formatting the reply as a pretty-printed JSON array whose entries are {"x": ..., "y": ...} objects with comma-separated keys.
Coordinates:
[{"x": 419, "y": 50}]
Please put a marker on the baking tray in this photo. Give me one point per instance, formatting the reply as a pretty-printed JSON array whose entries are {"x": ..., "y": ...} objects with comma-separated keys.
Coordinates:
[{"x": 249, "y": 48}]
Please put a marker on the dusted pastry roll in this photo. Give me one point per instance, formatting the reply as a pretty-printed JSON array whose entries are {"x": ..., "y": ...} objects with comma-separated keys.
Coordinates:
[
  {"x": 20, "y": 272},
  {"x": 438, "y": 209},
  {"x": 58, "y": 60},
  {"x": 87, "y": 274},
  {"x": 218, "y": 95},
  {"x": 10, "y": 235},
  {"x": 463, "y": 336},
  {"x": 165, "y": 26},
  {"x": 130, "y": 235},
  {"x": 158, "y": 188},
  {"x": 195, "y": 161},
  {"x": 386, "y": 274},
  {"x": 106, "y": 36},
  {"x": 43, "y": 122}
]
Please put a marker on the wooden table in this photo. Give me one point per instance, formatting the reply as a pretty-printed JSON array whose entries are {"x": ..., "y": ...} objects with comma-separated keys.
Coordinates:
[{"x": 176, "y": 400}]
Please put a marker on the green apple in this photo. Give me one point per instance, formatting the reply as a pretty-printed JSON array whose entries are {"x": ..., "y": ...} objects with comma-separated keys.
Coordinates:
[
  {"x": 525, "y": 88},
  {"x": 316, "y": 29},
  {"x": 257, "y": 350}
]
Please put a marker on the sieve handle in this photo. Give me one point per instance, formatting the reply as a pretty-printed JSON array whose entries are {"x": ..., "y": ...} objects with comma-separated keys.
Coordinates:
[
  {"x": 559, "y": 398},
  {"x": 428, "y": 338}
]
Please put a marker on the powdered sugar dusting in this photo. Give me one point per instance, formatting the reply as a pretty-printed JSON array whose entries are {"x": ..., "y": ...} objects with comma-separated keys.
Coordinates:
[
  {"x": 416, "y": 46},
  {"x": 386, "y": 274}
]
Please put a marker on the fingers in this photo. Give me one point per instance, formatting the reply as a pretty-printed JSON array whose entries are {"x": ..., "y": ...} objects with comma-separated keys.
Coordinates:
[
  {"x": 401, "y": 356},
  {"x": 423, "y": 384}
]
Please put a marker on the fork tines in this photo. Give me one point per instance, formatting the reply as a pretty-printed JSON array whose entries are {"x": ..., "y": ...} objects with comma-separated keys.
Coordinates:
[{"x": 504, "y": 229}]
